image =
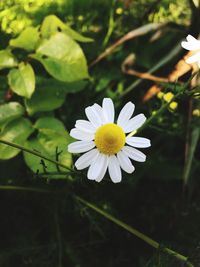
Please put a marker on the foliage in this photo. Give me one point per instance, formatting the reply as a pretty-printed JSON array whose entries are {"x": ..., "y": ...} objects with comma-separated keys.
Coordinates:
[
  {"x": 64, "y": 60},
  {"x": 17, "y": 15},
  {"x": 45, "y": 85}
]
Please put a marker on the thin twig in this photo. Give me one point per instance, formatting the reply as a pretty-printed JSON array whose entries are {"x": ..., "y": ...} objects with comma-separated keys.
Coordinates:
[
  {"x": 160, "y": 64},
  {"x": 146, "y": 76},
  {"x": 130, "y": 35}
]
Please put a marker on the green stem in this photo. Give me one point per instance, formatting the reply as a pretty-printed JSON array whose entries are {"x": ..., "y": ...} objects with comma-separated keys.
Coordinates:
[
  {"x": 21, "y": 188},
  {"x": 111, "y": 25},
  {"x": 135, "y": 232},
  {"x": 158, "y": 113},
  {"x": 123, "y": 225},
  {"x": 34, "y": 153}
]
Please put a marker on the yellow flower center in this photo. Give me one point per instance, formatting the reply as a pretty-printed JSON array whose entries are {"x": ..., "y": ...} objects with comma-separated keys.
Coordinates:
[{"x": 109, "y": 138}]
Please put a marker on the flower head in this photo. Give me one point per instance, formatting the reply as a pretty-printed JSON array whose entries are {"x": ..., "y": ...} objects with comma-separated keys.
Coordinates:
[
  {"x": 192, "y": 44},
  {"x": 105, "y": 142}
]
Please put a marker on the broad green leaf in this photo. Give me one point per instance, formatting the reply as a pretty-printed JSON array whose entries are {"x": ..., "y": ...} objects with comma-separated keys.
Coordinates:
[
  {"x": 10, "y": 111},
  {"x": 16, "y": 131},
  {"x": 50, "y": 138},
  {"x": 27, "y": 40},
  {"x": 22, "y": 80},
  {"x": 63, "y": 58},
  {"x": 53, "y": 24},
  {"x": 49, "y": 123},
  {"x": 62, "y": 70},
  {"x": 76, "y": 36},
  {"x": 7, "y": 60},
  {"x": 50, "y": 94},
  {"x": 51, "y": 83},
  {"x": 45, "y": 99}
]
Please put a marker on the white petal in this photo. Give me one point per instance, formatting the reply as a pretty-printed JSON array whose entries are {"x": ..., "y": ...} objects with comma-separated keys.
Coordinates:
[
  {"x": 99, "y": 110},
  {"x": 191, "y": 38},
  {"x": 103, "y": 170},
  {"x": 114, "y": 169},
  {"x": 93, "y": 116},
  {"x": 98, "y": 168},
  {"x": 138, "y": 142},
  {"x": 134, "y": 154},
  {"x": 81, "y": 135},
  {"x": 80, "y": 146},
  {"x": 85, "y": 126},
  {"x": 125, "y": 162},
  {"x": 134, "y": 123},
  {"x": 86, "y": 159},
  {"x": 193, "y": 58},
  {"x": 125, "y": 114},
  {"x": 108, "y": 110},
  {"x": 191, "y": 44},
  {"x": 198, "y": 63}
]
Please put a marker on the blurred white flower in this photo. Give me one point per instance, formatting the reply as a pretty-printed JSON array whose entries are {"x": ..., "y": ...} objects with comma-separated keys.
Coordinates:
[
  {"x": 192, "y": 44},
  {"x": 105, "y": 142}
]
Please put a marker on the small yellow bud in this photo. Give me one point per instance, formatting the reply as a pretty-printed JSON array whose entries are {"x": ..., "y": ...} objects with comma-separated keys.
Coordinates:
[
  {"x": 160, "y": 95},
  {"x": 173, "y": 105},
  {"x": 168, "y": 96},
  {"x": 80, "y": 18},
  {"x": 119, "y": 11},
  {"x": 154, "y": 112},
  {"x": 196, "y": 112}
]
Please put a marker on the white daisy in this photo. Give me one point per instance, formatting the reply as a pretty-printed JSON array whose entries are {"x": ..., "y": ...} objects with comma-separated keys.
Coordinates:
[
  {"x": 192, "y": 44},
  {"x": 105, "y": 142}
]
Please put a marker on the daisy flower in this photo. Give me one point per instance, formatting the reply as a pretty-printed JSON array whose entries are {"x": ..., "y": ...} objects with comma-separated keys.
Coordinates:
[
  {"x": 192, "y": 44},
  {"x": 105, "y": 142}
]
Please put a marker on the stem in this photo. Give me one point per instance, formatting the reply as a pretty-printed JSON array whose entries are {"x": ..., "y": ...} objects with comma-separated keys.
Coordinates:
[
  {"x": 160, "y": 64},
  {"x": 21, "y": 188},
  {"x": 111, "y": 25},
  {"x": 34, "y": 153},
  {"x": 158, "y": 113},
  {"x": 135, "y": 232},
  {"x": 123, "y": 225}
]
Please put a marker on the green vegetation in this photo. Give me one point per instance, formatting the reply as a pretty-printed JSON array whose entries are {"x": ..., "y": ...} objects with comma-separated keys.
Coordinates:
[{"x": 57, "y": 58}]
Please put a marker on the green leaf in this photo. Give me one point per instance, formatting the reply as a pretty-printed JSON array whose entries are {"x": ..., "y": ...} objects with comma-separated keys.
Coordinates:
[
  {"x": 16, "y": 131},
  {"x": 53, "y": 24},
  {"x": 10, "y": 111},
  {"x": 45, "y": 99},
  {"x": 63, "y": 58},
  {"x": 50, "y": 94},
  {"x": 62, "y": 70},
  {"x": 72, "y": 87},
  {"x": 27, "y": 40},
  {"x": 22, "y": 80},
  {"x": 7, "y": 60},
  {"x": 49, "y": 123},
  {"x": 52, "y": 136}
]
